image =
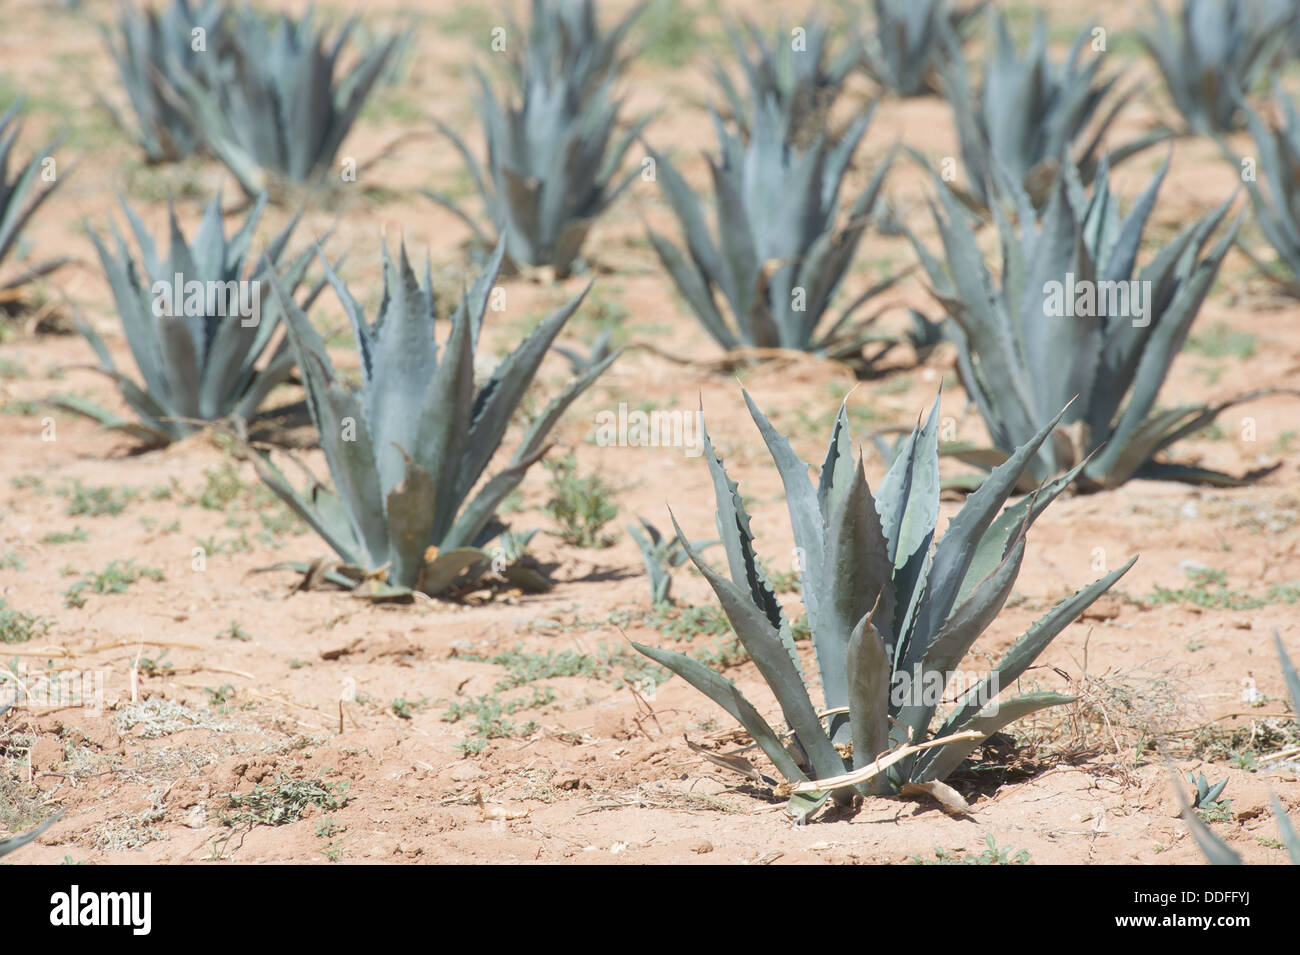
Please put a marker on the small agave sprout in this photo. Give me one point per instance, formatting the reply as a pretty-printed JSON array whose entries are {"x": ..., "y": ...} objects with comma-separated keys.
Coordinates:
[
  {"x": 661, "y": 556},
  {"x": 1071, "y": 318},
  {"x": 152, "y": 52},
  {"x": 1212, "y": 59},
  {"x": 274, "y": 105},
  {"x": 1277, "y": 199},
  {"x": 912, "y": 41},
  {"x": 197, "y": 325},
  {"x": 552, "y": 162},
  {"x": 1215, "y": 849},
  {"x": 20, "y": 197},
  {"x": 794, "y": 70},
  {"x": 408, "y": 449},
  {"x": 1206, "y": 792},
  {"x": 892, "y": 616},
  {"x": 1030, "y": 111},
  {"x": 781, "y": 251}
]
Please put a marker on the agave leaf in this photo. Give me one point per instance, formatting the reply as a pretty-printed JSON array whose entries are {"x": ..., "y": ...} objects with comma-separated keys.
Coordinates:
[
  {"x": 17, "y": 842},
  {"x": 908, "y": 495},
  {"x": 695, "y": 290},
  {"x": 723, "y": 692},
  {"x": 737, "y": 539},
  {"x": 345, "y": 437},
  {"x": 151, "y": 435},
  {"x": 1290, "y": 838},
  {"x": 960, "y": 542},
  {"x": 410, "y": 508},
  {"x": 993, "y": 545},
  {"x": 544, "y": 422},
  {"x": 867, "y": 664},
  {"x": 1289, "y": 675},
  {"x": 855, "y": 577},
  {"x": 771, "y": 653},
  {"x": 805, "y": 518},
  {"x": 947, "y": 758},
  {"x": 439, "y": 573},
  {"x": 468, "y": 528},
  {"x": 660, "y": 580},
  {"x": 836, "y": 472},
  {"x": 1166, "y": 339},
  {"x": 338, "y": 534},
  {"x": 496, "y": 402},
  {"x": 444, "y": 438},
  {"x": 1030, "y": 644},
  {"x": 974, "y": 615}
]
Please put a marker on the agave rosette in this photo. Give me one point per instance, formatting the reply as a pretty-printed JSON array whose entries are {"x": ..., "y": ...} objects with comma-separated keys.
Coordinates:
[
  {"x": 275, "y": 105},
  {"x": 1025, "y": 349},
  {"x": 552, "y": 158},
  {"x": 781, "y": 252},
  {"x": 205, "y": 362},
  {"x": 883, "y": 600},
  {"x": 407, "y": 450}
]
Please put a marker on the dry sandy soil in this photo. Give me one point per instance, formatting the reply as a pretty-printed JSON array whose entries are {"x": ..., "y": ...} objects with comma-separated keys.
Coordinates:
[{"x": 348, "y": 708}]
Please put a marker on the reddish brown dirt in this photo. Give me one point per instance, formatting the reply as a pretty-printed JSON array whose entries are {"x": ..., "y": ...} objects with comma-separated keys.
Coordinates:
[{"x": 604, "y": 775}]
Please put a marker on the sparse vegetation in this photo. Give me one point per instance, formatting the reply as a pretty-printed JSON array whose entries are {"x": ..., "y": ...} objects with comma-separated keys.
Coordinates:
[
  {"x": 367, "y": 576},
  {"x": 113, "y": 579},
  {"x": 580, "y": 504}
]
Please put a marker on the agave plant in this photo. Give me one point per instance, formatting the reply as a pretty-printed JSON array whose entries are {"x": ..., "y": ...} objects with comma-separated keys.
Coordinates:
[
  {"x": 888, "y": 612},
  {"x": 1031, "y": 111},
  {"x": 407, "y": 450},
  {"x": 20, "y": 197},
  {"x": 781, "y": 252},
  {"x": 1071, "y": 319},
  {"x": 152, "y": 52},
  {"x": 1215, "y": 55},
  {"x": 1277, "y": 150},
  {"x": 793, "y": 70},
  {"x": 661, "y": 556},
  {"x": 272, "y": 102},
  {"x": 1206, "y": 792},
  {"x": 196, "y": 324},
  {"x": 552, "y": 161},
  {"x": 912, "y": 41},
  {"x": 1215, "y": 849}
]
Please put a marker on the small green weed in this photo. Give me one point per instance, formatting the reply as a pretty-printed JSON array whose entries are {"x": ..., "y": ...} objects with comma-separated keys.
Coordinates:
[
  {"x": 991, "y": 855},
  {"x": 113, "y": 579},
  {"x": 581, "y": 505}
]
